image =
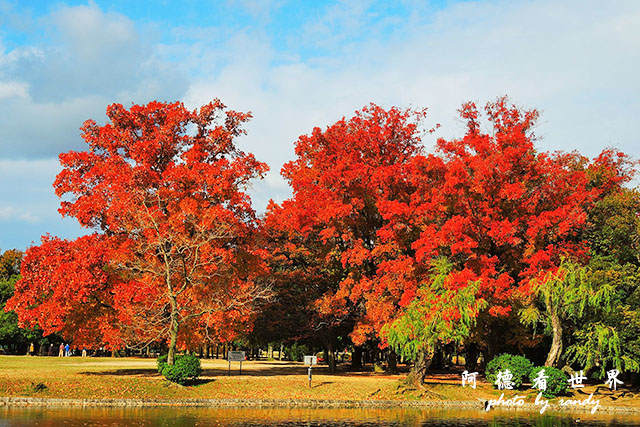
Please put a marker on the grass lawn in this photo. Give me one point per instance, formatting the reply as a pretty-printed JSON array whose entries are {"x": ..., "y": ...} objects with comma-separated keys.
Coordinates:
[{"x": 75, "y": 377}]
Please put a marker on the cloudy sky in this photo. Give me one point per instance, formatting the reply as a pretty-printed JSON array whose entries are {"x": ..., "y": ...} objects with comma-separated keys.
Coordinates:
[{"x": 300, "y": 64}]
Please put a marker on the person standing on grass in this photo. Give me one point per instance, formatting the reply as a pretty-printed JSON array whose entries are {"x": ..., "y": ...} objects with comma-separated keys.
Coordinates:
[
  {"x": 84, "y": 352},
  {"x": 66, "y": 350},
  {"x": 32, "y": 350},
  {"x": 61, "y": 352}
]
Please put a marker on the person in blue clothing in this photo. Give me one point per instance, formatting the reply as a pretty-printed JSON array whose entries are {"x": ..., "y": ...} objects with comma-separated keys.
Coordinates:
[{"x": 66, "y": 350}]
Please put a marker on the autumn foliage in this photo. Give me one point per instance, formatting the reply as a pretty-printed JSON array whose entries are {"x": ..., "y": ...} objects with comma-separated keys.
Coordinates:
[
  {"x": 329, "y": 229},
  {"x": 173, "y": 255},
  {"x": 380, "y": 240},
  {"x": 500, "y": 211},
  {"x": 503, "y": 212},
  {"x": 372, "y": 205}
]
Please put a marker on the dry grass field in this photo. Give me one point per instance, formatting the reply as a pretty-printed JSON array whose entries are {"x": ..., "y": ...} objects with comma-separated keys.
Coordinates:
[{"x": 135, "y": 378}]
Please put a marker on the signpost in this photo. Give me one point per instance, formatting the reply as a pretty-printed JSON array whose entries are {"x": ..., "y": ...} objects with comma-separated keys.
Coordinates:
[
  {"x": 235, "y": 356},
  {"x": 310, "y": 360}
]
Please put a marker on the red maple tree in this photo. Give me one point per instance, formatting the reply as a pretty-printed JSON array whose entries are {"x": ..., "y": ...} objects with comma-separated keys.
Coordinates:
[
  {"x": 376, "y": 213},
  {"x": 330, "y": 227},
  {"x": 164, "y": 187},
  {"x": 501, "y": 212}
]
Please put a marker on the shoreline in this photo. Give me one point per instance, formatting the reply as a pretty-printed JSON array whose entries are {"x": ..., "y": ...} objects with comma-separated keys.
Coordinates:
[{"x": 298, "y": 403}]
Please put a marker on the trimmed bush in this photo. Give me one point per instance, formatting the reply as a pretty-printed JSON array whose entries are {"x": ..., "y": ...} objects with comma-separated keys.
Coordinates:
[
  {"x": 161, "y": 362},
  {"x": 519, "y": 366},
  {"x": 557, "y": 381},
  {"x": 185, "y": 368}
]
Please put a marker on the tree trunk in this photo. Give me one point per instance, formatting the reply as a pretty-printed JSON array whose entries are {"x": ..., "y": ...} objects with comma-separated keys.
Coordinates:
[
  {"x": 392, "y": 362},
  {"x": 437, "y": 361},
  {"x": 173, "y": 332},
  {"x": 471, "y": 356},
  {"x": 331, "y": 357},
  {"x": 356, "y": 358},
  {"x": 421, "y": 366},
  {"x": 553, "y": 359}
]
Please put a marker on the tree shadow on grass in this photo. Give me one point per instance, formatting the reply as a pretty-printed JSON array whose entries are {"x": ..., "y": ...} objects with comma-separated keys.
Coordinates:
[
  {"x": 145, "y": 373},
  {"x": 125, "y": 372},
  {"x": 255, "y": 371},
  {"x": 199, "y": 381},
  {"x": 252, "y": 370},
  {"x": 209, "y": 372},
  {"x": 322, "y": 383}
]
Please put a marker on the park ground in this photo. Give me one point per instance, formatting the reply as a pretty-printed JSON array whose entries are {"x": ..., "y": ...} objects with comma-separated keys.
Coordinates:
[{"x": 137, "y": 378}]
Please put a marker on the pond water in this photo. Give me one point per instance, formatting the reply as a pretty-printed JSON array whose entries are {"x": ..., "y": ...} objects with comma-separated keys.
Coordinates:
[{"x": 113, "y": 417}]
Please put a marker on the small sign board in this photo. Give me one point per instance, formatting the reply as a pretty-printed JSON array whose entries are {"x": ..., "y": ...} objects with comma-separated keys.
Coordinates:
[
  {"x": 236, "y": 356},
  {"x": 310, "y": 360}
]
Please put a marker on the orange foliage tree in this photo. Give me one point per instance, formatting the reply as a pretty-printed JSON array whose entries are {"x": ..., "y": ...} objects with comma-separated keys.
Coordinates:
[
  {"x": 174, "y": 254},
  {"x": 329, "y": 229},
  {"x": 383, "y": 221},
  {"x": 500, "y": 212}
]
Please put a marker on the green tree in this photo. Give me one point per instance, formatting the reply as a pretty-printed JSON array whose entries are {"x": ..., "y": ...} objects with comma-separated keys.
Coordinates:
[
  {"x": 11, "y": 335},
  {"x": 563, "y": 296},
  {"x": 9, "y": 331},
  {"x": 438, "y": 315},
  {"x": 609, "y": 337}
]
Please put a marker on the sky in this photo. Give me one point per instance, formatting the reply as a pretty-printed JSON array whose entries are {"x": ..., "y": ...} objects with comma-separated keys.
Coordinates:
[{"x": 297, "y": 65}]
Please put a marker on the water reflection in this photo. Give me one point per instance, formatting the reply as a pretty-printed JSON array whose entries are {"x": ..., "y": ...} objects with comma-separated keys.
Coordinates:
[{"x": 178, "y": 417}]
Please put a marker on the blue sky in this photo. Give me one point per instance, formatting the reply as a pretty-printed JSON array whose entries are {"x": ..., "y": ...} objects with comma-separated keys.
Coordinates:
[{"x": 297, "y": 65}]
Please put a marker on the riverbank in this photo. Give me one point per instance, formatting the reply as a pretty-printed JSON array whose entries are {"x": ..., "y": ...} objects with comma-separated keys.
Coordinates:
[
  {"x": 133, "y": 382},
  {"x": 241, "y": 403}
]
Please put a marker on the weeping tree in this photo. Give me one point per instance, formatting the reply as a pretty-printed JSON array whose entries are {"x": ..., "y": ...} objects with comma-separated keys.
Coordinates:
[
  {"x": 610, "y": 338},
  {"x": 562, "y": 298},
  {"x": 441, "y": 313},
  {"x": 608, "y": 335}
]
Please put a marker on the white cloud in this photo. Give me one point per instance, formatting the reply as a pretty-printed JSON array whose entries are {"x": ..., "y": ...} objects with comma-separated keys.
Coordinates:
[
  {"x": 260, "y": 9},
  {"x": 13, "y": 89},
  {"x": 9, "y": 213},
  {"x": 94, "y": 59},
  {"x": 574, "y": 60},
  {"x": 568, "y": 59},
  {"x": 29, "y": 205}
]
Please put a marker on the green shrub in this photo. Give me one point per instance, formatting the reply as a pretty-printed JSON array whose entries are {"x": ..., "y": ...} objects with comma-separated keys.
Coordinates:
[
  {"x": 161, "y": 362},
  {"x": 557, "y": 383},
  {"x": 185, "y": 367},
  {"x": 519, "y": 366},
  {"x": 297, "y": 352}
]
